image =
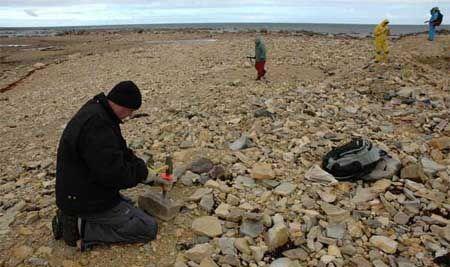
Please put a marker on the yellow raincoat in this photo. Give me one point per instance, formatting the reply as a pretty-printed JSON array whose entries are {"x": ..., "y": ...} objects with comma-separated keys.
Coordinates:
[{"x": 381, "y": 33}]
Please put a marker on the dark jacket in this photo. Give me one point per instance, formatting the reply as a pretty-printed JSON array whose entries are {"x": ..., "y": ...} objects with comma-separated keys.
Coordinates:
[{"x": 93, "y": 161}]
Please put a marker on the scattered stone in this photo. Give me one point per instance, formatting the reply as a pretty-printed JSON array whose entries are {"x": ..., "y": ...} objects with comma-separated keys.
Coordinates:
[
  {"x": 199, "y": 194},
  {"x": 327, "y": 196},
  {"x": 69, "y": 263},
  {"x": 379, "y": 263},
  {"x": 277, "y": 236},
  {"x": 229, "y": 260},
  {"x": 263, "y": 113},
  {"x": 251, "y": 228},
  {"x": 334, "y": 251},
  {"x": 402, "y": 262},
  {"x": 401, "y": 218},
  {"x": 217, "y": 172},
  {"x": 243, "y": 245},
  {"x": 201, "y": 165},
  {"x": 39, "y": 65},
  {"x": 8, "y": 217},
  {"x": 443, "y": 232},
  {"x": 336, "y": 231},
  {"x": 189, "y": 178},
  {"x": 207, "y": 225},
  {"x": 258, "y": 252},
  {"x": 179, "y": 263},
  {"x": 223, "y": 210},
  {"x": 19, "y": 254},
  {"x": 430, "y": 168},
  {"x": 199, "y": 252},
  {"x": 364, "y": 195},
  {"x": 208, "y": 262},
  {"x": 162, "y": 207},
  {"x": 242, "y": 143},
  {"x": 284, "y": 189},
  {"x": 411, "y": 171},
  {"x": 381, "y": 186},
  {"x": 406, "y": 92},
  {"x": 207, "y": 202},
  {"x": 137, "y": 143},
  {"x": 186, "y": 144},
  {"x": 348, "y": 250},
  {"x": 233, "y": 200},
  {"x": 44, "y": 251},
  {"x": 441, "y": 143},
  {"x": 261, "y": 171},
  {"x": 317, "y": 174},
  {"x": 355, "y": 229},
  {"x": 270, "y": 184},
  {"x": 244, "y": 181},
  {"x": 384, "y": 243},
  {"x": 219, "y": 185},
  {"x": 235, "y": 215},
  {"x": 359, "y": 261},
  {"x": 334, "y": 213},
  {"x": 281, "y": 262},
  {"x": 226, "y": 246},
  {"x": 34, "y": 261},
  {"x": 296, "y": 254}
]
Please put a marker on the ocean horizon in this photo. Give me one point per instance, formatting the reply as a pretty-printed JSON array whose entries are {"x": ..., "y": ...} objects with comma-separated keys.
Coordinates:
[{"x": 360, "y": 30}]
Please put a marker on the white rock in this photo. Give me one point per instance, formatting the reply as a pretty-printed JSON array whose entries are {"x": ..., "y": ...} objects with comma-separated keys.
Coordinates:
[{"x": 317, "y": 174}]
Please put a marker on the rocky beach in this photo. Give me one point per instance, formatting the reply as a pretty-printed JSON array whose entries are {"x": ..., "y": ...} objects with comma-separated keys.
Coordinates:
[{"x": 247, "y": 154}]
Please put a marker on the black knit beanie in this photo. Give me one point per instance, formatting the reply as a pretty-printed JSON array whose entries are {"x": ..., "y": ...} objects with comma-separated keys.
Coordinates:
[{"x": 126, "y": 94}]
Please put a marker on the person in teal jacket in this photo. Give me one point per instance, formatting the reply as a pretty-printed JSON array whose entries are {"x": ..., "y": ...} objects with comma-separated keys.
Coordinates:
[{"x": 260, "y": 57}]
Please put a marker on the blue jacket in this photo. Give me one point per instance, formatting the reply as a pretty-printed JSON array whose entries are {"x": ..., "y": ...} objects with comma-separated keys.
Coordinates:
[{"x": 433, "y": 18}]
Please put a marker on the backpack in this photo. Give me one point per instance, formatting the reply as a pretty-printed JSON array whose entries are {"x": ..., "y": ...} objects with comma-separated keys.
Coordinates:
[
  {"x": 352, "y": 160},
  {"x": 439, "y": 19}
]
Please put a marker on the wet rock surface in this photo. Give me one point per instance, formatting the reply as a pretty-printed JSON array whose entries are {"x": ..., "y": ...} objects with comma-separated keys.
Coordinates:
[{"x": 247, "y": 154}]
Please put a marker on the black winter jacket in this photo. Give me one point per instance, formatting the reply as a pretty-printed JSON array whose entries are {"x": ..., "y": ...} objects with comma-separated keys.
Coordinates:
[{"x": 94, "y": 162}]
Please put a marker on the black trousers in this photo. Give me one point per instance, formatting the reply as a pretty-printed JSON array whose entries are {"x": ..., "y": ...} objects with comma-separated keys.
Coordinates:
[{"x": 122, "y": 224}]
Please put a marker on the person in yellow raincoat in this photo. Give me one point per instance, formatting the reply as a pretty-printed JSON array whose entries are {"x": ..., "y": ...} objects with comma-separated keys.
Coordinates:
[{"x": 381, "y": 33}]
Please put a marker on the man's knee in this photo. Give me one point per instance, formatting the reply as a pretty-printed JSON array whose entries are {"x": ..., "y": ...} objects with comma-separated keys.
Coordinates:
[{"x": 151, "y": 228}]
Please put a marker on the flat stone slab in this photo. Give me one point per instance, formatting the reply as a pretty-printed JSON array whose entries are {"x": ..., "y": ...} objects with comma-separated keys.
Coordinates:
[
  {"x": 156, "y": 205},
  {"x": 207, "y": 225}
]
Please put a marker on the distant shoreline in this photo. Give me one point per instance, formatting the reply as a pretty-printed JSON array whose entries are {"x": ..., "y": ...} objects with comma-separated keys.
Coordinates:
[{"x": 352, "y": 30}]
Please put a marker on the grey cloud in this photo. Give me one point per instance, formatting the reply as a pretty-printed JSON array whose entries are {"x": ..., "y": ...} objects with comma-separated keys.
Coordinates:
[{"x": 30, "y": 13}]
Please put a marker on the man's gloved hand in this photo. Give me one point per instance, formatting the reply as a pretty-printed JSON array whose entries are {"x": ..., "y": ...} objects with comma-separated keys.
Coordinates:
[
  {"x": 156, "y": 180},
  {"x": 148, "y": 159}
]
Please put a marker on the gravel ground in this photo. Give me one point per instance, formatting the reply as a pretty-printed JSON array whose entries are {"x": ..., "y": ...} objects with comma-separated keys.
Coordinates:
[{"x": 199, "y": 96}]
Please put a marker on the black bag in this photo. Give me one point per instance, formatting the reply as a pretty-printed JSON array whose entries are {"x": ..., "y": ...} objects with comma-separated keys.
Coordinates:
[
  {"x": 352, "y": 160},
  {"x": 439, "y": 19}
]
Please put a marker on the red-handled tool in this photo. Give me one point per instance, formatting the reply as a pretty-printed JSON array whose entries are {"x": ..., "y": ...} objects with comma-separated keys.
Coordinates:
[{"x": 167, "y": 175}]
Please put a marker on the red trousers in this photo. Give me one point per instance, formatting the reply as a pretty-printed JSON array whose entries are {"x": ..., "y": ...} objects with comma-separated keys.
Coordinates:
[{"x": 259, "y": 66}]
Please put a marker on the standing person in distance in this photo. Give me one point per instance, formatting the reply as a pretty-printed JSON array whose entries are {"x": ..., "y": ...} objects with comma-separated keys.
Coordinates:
[
  {"x": 381, "y": 34},
  {"x": 435, "y": 20}
]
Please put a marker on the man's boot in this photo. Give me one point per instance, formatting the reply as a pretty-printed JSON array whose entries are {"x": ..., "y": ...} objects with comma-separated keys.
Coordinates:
[
  {"x": 70, "y": 230},
  {"x": 66, "y": 227},
  {"x": 57, "y": 226}
]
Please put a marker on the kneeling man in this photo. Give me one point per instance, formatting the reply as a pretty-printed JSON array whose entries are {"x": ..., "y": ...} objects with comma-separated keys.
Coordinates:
[{"x": 93, "y": 164}]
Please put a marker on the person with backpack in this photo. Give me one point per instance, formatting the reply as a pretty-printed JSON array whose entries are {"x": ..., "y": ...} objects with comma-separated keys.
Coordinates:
[
  {"x": 435, "y": 20},
  {"x": 381, "y": 34}
]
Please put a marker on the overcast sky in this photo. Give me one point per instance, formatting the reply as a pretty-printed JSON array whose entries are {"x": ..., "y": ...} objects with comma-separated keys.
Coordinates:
[{"x": 29, "y": 13}]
